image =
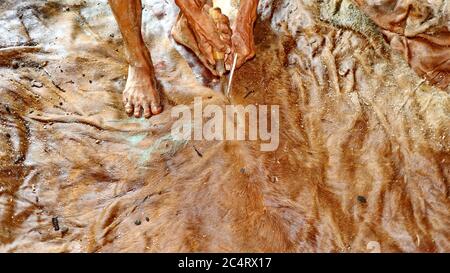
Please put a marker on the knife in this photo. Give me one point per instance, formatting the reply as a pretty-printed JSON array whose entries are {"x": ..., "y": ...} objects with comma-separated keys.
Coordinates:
[{"x": 230, "y": 81}]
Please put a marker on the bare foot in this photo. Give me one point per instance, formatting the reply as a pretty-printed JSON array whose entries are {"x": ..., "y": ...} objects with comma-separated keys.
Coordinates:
[{"x": 140, "y": 95}]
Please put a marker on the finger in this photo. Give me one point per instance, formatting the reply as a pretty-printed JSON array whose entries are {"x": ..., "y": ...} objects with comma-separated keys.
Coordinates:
[
  {"x": 147, "y": 110},
  {"x": 206, "y": 7},
  {"x": 228, "y": 62},
  {"x": 229, "y": 58},
  {"x": 137, "y": 111},
  {"x": 226, "y": 37},
  {"x": 203, "y": 44},
  {"x": 205, "y": 26},
  {"x": 217, "y": 43},
  {"x": 224, "y": 31},
  {"x": 207, "y": 52},
  {"x": 240, "y": 61},
  {"x": 224, "y": 25},
  {"x": 224, "y": 20}
]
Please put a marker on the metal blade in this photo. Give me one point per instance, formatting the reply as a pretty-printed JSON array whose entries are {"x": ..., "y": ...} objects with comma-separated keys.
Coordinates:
[{"x": 230, "y": 81}]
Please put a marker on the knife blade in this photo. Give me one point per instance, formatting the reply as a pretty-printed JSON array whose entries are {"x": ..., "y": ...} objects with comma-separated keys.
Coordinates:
[{"x": 230, "y": 81}]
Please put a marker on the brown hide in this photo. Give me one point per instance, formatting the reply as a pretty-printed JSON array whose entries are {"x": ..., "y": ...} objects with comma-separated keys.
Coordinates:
[{"x": 363, "y": 159}]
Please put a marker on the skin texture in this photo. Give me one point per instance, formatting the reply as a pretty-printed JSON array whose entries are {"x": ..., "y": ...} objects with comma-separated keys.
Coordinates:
[
  {"x": 141, "y": 97},
  {"x": 242, "y": 40},
  {"x": 210, "y": 36},
  {"x": 184, "y": 32}
]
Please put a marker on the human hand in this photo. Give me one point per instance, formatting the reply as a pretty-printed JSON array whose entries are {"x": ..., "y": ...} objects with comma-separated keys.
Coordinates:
[
  {"x": 213, "y": 36},
  {"x": 243, "y": 45}
]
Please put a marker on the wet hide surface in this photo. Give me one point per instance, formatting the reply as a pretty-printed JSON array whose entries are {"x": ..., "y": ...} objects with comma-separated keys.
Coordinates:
[
  {"x": 419, "y": 30},
  {"x": 362, "y": 164}
]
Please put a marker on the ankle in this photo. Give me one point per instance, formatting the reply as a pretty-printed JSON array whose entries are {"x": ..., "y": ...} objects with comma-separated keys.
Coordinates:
[
  {"x": 141, "y": 59},
  {"x": 141, "y": 73},
  {"x": 142, "y": 67}
]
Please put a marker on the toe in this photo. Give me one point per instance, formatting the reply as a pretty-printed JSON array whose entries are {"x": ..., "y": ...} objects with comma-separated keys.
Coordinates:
[
  {"x": 137, "y": 111},
  {"x": 129, "y": 108},
  {"x": 147, "y": 110},
  {"x": 156, "y": 108}
]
